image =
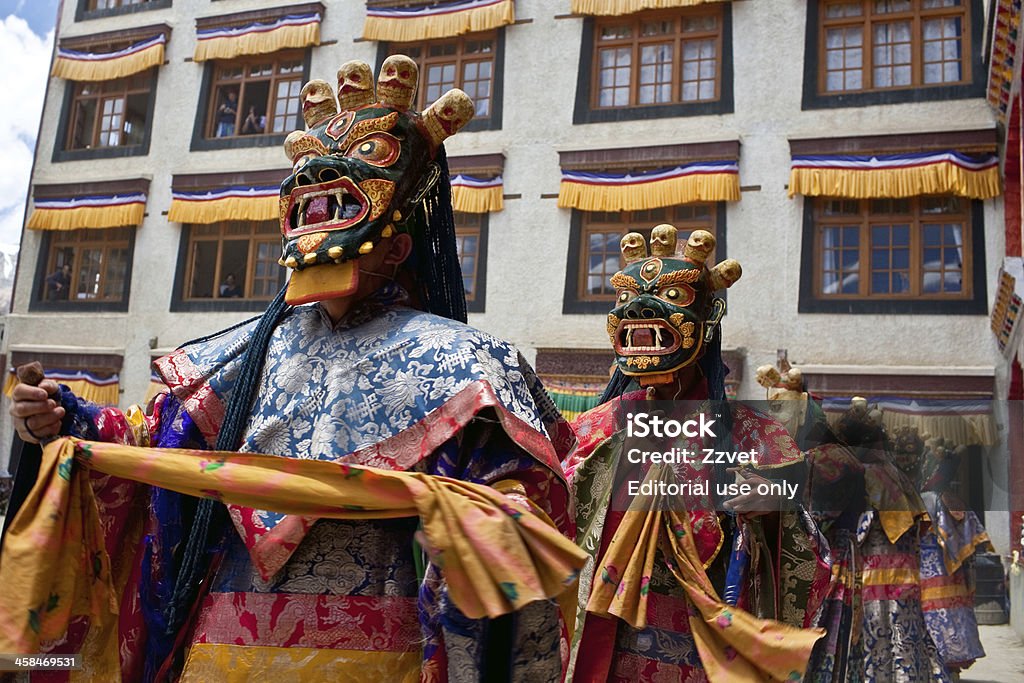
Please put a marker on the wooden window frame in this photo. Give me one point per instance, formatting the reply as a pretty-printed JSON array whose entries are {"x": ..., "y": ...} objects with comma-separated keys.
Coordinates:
[
  {"x": 637, "y": 42},
  {"x": 815, "y": 72},
  {"x": 866, "y": 219},
  {"x": 490, "y": 122},
  {"x": 972, "y": 300},
  {"x": 63, "y": 152},
  {"x": 204, "y": 129},
  {"x": 181, "y": 301},
  {"x": 476, "y": 303},
  {"x": 119, "y": 89},
  {"x": 586, "y": 110},
  {"x": 274, "y": 79},
  {"x": 869, "y": 19},
  {"x": 121, "y": 238},
  {"x": 577, "y": 299},
  {"x": 83, "y": 13}
]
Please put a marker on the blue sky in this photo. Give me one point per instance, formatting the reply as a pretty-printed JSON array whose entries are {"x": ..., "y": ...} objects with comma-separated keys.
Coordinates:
[
  {"x": 26, "y": 44},
  {"x": 40, "y": 14}
]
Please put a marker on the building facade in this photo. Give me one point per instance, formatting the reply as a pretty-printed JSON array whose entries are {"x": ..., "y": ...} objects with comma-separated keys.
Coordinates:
[{"x": 784, "y": 127}]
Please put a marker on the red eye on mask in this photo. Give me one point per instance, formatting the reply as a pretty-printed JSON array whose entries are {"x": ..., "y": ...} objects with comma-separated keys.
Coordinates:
[{"x": 379, "y": 149}]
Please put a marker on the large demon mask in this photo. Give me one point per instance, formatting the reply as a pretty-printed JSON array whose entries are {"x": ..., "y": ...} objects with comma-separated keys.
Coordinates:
[
  {"x": 666, "y": 308},
  {"x": 359, "y": 171}
]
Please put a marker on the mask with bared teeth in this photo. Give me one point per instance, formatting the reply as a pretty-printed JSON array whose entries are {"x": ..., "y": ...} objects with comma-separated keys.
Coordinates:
[
  {"x": 666, "y": 308},
  {"x": 360, "y": 172}
]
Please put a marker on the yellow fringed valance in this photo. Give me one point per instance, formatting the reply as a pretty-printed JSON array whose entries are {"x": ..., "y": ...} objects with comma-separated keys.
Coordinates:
[
  {"x": 963, "y": 430},
  {"x": 429, "y": 23},
  {"x": 67, "y": 67},
  {"x": 257, "y": 42},
  {"x": 939, "y": 178},
  {"x": 477, "y": 199},
  {"x": 107, "y": 394},
  {"x": 227, "y": 209},
  {"x": 609, "y": 8},
  {"x": 710, "y": 187},
  {"x": 81, "y": 217},
  {"x": 155, "y": 387}
]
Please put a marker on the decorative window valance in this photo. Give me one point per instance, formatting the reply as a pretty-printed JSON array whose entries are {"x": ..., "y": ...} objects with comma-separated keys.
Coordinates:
[
  {"x": 1003, "y": 57},
  {"x": 477, "y": 185},
  {"x": 574, "y": 378},
  {"x": 156, "y": 385},
  {"x": 216, "y": 197},
  {"x": 965, "y": 165},
  {"x": 964, "y": 422},
  {"x": 258, "y": 32},
  {"x": 651, "y": 177},
  {"x": 76, "y": 206},
  {"x": 392, "y": 21},
  {"x": 93, "y": 377},
  {"x": 610, "y": 8},
  {"x": 75, "y": 65}
]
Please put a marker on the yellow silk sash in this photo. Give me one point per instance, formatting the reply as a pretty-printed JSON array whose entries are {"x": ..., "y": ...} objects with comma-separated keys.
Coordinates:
[
  {"x": 494, "y": 553},
  {"x": 733, "y": 644}
]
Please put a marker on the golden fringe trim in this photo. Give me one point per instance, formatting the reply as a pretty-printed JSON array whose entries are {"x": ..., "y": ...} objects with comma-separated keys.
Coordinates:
[
  {"x": 227, "y": 209},
  {"x": 609, "y": 8},
  {"x": 87, "y": 217},
  {"x": 155, "y": 388},
  {"x": 439, "y": 25},
  {"x": 110, "y": 69},
  {"x": 963, "y": 430},
  {"x": 105, "y": 395},
  {"x": 478, "y": 199},
  {"x": 705, "y": 187},
  {"x": 280, "y": 38},
  {"x": 939, "y": 178}
]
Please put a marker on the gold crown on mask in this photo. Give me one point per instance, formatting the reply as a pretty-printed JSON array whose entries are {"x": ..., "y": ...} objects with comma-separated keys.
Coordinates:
[{"x": 696, "y": 250}]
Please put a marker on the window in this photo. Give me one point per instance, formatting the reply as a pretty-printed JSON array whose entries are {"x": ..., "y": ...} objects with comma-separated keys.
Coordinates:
[
  {"x": 882, "y": 47},
  {"x": 471, "y": 242},
  {"x": 94, "y": 9},
  {"x": 82, "y": 268},
  {"x": 921, "y": 249},
  {"x": 471, "y": 63},
  {"x": 594, "y": 247},
  {"x": 657, "y": 59},
  {"x": 255, "y": 96},
  {"x": 655, "y": 64},
  {"x": 229, "y": 266},
  {"x": 234, "y": 260},
  {"x": 107, "y": 118},
  {"x": 109, "y": 113}
]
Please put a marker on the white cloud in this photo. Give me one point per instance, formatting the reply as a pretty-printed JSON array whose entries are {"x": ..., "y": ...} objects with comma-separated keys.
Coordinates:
[{"x": 26, "y": 60}]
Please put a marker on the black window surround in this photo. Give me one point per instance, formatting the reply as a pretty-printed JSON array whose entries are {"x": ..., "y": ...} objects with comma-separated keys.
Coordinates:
[
  {"x": 140, "y": 150},
  {"x": 200, "y": 143},
  {"x": 977, "y": 305},
  {"x": 571, "y": 303},
  {"x": 38, "y": 304},
  {"x": 479, "y": 302},
  {"x": 492, "y": 122},
  {"x": 585, "y": 113},
  {"x": 83, "y": 13},
  {"x": 935, "y": 93}
]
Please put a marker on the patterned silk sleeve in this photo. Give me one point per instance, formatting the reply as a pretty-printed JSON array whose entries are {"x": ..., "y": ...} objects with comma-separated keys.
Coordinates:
[
  {"x": 524, "y": 646},
  {"x": 165, "y": 424}
]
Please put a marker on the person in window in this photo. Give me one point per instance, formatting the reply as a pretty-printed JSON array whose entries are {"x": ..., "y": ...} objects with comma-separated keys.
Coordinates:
[
  {"x": 58, "y": 283},
  {"x": 228, "y": 288},
  {"x": 253, "y": 124},
  {"x": 226, "y": 113}
]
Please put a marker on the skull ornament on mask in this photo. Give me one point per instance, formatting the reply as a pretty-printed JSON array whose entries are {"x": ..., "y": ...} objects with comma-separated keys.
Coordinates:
[
  {"x": 666, "y": 308},
  {"x": 358, "y": 173}
]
